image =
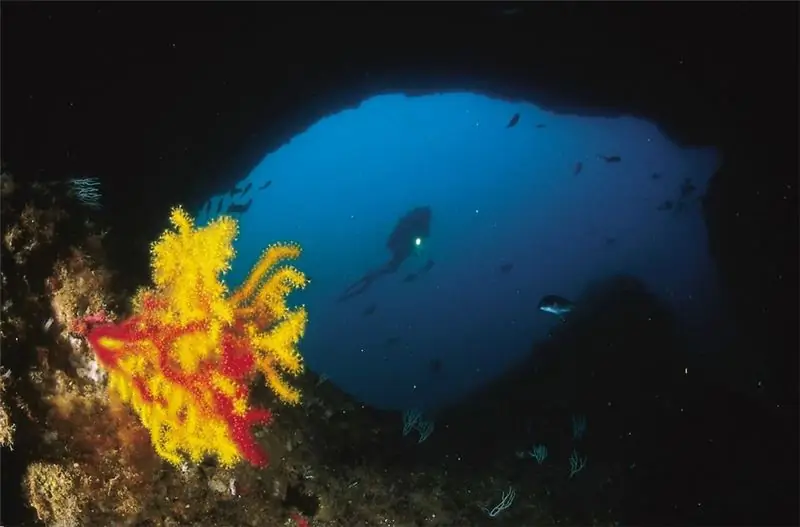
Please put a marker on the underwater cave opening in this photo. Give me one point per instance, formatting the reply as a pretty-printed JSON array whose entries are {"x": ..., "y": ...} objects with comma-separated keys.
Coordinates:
[{"x": 522, "y": 203}]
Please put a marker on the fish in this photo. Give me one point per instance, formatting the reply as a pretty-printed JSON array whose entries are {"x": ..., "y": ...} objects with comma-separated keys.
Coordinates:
[
  {"x": 687, "y": 189},
  {"x": 435, "y": 366},
  {"x": 513, "y": 122},
  {"x": 556, "y": 305},
  {"x": 207, "y": 208},
  {"x": 609, "y": 159},
  {"x": 219, "y": 205},
  {"x": 246, "y": 188},
  {"x": 410, "y": 277},
  {"x": 541, "y": 125},
  {"x": 239, "y": 208},
  {"x": 577, "y": 169},
  {"x": 370, "y": 309},
  {"x": 265, "y": 185}
]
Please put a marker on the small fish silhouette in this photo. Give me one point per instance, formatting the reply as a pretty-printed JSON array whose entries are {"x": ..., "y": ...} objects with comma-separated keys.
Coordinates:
[
  {"x": 265, "y": 185},
  {"x": 609, "y": 159},
  {"x": 239, "y": 208},
  {"x": 577, "y": 169},
  {"x": 435, "y": 366},
  {"x": 687, "y": 188},
  {"x": 513, "y": 122}
]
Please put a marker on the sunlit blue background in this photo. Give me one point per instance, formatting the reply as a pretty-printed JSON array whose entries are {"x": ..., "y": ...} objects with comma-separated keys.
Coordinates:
[{"x": 498, "y": 195}]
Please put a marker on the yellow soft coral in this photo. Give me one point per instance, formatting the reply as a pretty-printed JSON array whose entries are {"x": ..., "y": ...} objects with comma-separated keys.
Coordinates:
[
  {"x": 187, "y": 265},
  {"x": 184, "y": 359}
]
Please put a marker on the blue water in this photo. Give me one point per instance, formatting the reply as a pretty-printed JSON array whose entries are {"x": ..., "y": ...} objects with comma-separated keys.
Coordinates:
[{"x": 498, "y": 195}]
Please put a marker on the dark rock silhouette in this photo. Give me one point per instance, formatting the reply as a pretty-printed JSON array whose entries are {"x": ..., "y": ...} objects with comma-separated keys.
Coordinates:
[{"x": 239, "y": 208}]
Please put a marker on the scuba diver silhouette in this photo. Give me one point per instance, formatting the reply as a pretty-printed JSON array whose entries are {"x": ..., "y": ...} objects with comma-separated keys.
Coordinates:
[{"x": 407, "y": 235}]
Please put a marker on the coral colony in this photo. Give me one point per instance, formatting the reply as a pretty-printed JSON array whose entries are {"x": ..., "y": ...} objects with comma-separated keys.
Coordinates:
[
  {"x": 505, "y": 502},
  {"x": 185, "y": 358},
  {"x": 539, "y": 453},
  {"x": 413, "y": 420},
  {"x": 576, "y": 463}
]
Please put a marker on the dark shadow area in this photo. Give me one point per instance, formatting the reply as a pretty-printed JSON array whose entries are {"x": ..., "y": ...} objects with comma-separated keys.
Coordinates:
[{"x": 666, "y": 441}]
